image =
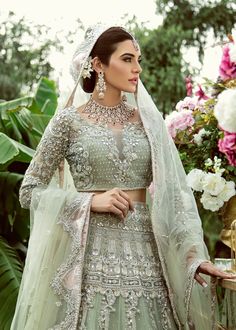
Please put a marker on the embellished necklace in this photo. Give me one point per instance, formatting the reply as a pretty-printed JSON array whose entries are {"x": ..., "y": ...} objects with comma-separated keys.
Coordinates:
[{"x": 119, "y": 113}]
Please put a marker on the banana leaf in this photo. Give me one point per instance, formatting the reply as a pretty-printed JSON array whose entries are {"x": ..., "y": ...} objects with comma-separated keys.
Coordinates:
[
  {"x": 45, "y": 99},
  {"x": 12, "y": 150},
  {"x": 10, "y": 278},
  {"x": 9, "y": 202},
  {"x": 16, "y": 104},
  {"x": 15, "y": 223}
]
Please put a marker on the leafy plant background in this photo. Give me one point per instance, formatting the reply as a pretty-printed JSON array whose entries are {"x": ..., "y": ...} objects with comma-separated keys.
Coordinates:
[
  {"x": 28, "y": 100},
  {"x": 22, "y": 123}
]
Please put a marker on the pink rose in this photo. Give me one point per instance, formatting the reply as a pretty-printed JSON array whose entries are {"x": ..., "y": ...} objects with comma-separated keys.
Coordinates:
[
  {"x": 172, "y": 130},
  {"x": 179, "y": 121},
  {"x": 188, "y": 103},
  {"x": 227, "y": 145},
  {"x": 227, "y": 68},
  {"x": 184, "y": 120}
]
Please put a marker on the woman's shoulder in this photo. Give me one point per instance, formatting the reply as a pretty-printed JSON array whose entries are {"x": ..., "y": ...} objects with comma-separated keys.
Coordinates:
[
  {"x": 65, "y": 112},
  {"x": 64, "y": 115},
  {"x": 62, "y": 119}
]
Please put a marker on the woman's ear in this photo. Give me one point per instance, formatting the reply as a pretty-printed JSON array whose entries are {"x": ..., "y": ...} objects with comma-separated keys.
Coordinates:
[{"x": 97, "y": 64}]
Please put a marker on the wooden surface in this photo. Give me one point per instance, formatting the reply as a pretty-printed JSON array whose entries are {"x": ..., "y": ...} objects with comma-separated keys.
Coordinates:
[{"x": 228, "y": 284}]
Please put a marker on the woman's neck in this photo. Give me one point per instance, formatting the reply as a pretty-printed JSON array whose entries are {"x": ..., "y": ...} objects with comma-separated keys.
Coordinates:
[{"x": 110, "y": 99}]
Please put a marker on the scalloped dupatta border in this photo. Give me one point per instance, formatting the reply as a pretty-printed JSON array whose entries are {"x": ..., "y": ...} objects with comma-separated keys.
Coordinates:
[
  {"x": 189, "y": 287},
  {"x": 67, "y": 281}
]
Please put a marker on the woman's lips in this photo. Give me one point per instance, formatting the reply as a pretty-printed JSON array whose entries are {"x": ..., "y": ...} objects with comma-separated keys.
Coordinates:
[{"x": 134, "y": 81}]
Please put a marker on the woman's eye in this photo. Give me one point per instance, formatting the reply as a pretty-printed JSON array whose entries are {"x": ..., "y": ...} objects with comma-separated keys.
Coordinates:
[{"x": 128, "y": 59}]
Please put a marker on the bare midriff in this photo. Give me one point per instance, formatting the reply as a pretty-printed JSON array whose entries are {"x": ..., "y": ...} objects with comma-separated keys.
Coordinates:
[{"x": 136, "y": 195}]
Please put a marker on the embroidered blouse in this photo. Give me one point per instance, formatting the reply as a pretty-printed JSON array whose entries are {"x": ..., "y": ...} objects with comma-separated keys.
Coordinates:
[{"x": 99, "y": 157}]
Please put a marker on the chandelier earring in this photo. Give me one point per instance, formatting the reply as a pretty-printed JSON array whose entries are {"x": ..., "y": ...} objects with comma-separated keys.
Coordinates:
[
  {"x": 124, "y": 98},
  {"x": 101, "y": 86}
]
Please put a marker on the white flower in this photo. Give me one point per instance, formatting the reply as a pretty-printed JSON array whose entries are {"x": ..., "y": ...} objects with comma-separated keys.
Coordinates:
[
  {"x": 213, "y": 183},
  {"x": 219, "y": 170},
  {"x": 211, "y": 203},
  {"x": 217, "y": 165},
  {"x": 195, "y": 179},
  {"x": 88, "y": 67},
  {"x": 232, "y": 53},
  {"x": 228, "y": 191},
  {"x": 197, "y": 138},
  {"x": 217, "y": 161},
  {"x": 225, "y": 110},
  {"x": 79, "y": 60},
  {"x": 208, "y": 162}
]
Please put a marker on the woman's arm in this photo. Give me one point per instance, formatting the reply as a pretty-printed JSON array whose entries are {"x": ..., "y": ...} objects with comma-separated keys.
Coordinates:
[{"x": 49, "y": 153}]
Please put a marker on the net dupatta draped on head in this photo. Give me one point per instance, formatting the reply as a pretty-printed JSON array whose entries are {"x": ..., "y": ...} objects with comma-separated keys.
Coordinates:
[{"x": 50, "y": 291}]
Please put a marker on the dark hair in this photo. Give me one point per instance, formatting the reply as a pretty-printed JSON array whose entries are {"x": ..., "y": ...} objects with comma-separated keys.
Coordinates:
[{"x": 103, "y": 49}]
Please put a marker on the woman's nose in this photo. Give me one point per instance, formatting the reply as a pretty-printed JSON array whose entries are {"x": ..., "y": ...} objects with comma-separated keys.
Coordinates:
[{"x": 137, "y": 68}]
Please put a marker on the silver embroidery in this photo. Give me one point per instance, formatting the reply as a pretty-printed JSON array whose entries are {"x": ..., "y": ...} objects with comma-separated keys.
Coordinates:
[
  {"x": 67, "y": 281},
  {"x": 122, "y": 263},
  {"x": 92, "y": 155},
  {"x": 103, "y": 166},
  {"x": 49, "y": 153}
]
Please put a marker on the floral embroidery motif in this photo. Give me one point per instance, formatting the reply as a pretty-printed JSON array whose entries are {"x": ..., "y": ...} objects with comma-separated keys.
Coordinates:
[
  {"x": 106, "y": 164},
  {"x": 67, "y": 281},
  {"x": 79, "y": 165},
  {"x": 93, "y": 156},
  {"x": 121, "y": 263},
  {"x": 49, "y": 153},
  {"x": 56, "y": 140}
]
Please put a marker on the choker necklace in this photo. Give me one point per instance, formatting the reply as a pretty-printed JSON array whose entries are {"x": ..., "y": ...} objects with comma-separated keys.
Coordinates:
[{"x": 119, "y": 113}]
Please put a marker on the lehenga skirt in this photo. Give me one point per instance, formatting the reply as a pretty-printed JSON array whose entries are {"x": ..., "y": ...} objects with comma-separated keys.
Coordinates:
[{"x": 123, "y": 286}]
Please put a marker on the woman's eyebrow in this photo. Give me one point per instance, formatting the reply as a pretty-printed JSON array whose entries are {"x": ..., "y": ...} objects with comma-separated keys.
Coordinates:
[{"x": 129, "y": 54}]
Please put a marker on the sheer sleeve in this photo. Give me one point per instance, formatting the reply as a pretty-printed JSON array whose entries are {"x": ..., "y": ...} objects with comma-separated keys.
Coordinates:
[{"x": 49, "y": 153}]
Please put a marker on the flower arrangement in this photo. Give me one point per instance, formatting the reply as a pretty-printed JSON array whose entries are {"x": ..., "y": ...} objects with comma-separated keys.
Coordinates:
[{"x": 203, "y": 127}]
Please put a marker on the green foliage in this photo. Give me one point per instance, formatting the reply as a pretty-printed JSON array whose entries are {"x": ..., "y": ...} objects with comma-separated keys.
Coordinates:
[
  {"x": 24, "y": 60},
  {"x": 46, "y": 91},
  {"x": 25, "y": 119},
  {"x": 24, "y": 55},
  {"x": 14, "y": 225},
  {"x": 10, "y": 278},
  {"x": 13, "y": 151},
  {"x": 186, "y": 24},
  {"x": 163, "y": 71},
  {"x": 22, "y": 123},
  {"x": 198, "y": 17}
]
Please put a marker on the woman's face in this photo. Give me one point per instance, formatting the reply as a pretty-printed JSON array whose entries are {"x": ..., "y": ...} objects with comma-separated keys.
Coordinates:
[{"x": 123, "y": 70}]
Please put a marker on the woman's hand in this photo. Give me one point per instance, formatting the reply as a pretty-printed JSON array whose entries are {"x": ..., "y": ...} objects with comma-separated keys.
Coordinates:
[
  {"x": 114, "y": 200},
  {"x": 209, "y": 269}
]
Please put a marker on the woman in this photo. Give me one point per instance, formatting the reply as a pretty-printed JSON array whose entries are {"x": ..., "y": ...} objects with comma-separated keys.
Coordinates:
[{"x": 99, "y": 257}]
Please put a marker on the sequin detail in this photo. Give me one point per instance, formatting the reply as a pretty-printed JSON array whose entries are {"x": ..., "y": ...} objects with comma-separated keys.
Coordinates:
[
  {"x": 67, "y": 280},
  {"x": 122, "y": 264},
  {"x": 98, "y": 159}
]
